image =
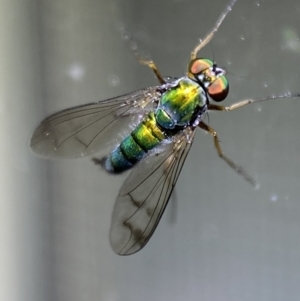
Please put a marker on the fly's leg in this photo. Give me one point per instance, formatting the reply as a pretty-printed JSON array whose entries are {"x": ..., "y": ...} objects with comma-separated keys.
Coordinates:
[
  {"x": 152, "y": 65},
  {"x": 237, "y": 168},
  {"x": 245, "y": 102},
  {"x": 213, "y": 107},
  {"x": 210, "y": 35},
  {"x": 201, "y": 44}
]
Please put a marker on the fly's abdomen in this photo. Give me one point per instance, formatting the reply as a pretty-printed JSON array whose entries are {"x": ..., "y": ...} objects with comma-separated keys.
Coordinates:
[{"x": 134, "y": 147}]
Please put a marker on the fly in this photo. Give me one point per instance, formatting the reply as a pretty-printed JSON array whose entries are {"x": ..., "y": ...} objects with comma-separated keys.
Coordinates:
[{"x": 155, "y": 150}]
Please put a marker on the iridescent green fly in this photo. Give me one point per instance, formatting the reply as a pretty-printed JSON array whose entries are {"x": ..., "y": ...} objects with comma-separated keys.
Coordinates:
[{"x": 167, "y": 117}]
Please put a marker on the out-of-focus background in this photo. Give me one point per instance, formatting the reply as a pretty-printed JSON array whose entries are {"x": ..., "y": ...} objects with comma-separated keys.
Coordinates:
[{"x": 223, "y": 240}]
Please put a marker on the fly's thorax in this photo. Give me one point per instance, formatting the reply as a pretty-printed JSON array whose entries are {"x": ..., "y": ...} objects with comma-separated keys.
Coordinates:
[{"x": 180, "y": 104}]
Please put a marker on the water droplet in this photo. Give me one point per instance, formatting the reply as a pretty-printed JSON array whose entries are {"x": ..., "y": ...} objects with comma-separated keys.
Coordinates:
[
  {"x": 274, "y": 197},
  {"x": 76, "y": 71},
  {"x": 125, "y": 35},
  {"x": 113, "y": 80}
]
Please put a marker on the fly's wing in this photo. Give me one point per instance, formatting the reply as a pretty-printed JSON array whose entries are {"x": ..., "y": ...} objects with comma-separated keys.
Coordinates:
[
  {"x": 85, "y": 129},
  {"x": 145, "y": 194}
]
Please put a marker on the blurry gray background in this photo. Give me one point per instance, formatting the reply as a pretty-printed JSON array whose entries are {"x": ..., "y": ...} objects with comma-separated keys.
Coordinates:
[{"x": 227, "y": 241}]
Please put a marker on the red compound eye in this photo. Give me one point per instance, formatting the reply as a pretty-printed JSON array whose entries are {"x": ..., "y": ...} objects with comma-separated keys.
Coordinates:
[
  {"x": 199, "y": 65},
  {"x": 218, "y": 90}
]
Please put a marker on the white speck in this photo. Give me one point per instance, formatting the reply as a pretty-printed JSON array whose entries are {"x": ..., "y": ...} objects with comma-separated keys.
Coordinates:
[
  {"x": 113, "y": 80},
  {"x": 125, "y": 35},
  {"x": 287, "y": 197},
  {"x": 266, "y": 85},
  {"x": 47, "y": 133},
  {"x": 242, "y": 38},
  {"x": 274, "y": 197},
  {"x": 229, "y": 63},
  {"x": 259, "y": 108},
  {"x": 76, "y": 71},
  {"x": 133, "y": 46},
  {"x": 257, "y": 186},
  {"x": 257, "y": 4}
]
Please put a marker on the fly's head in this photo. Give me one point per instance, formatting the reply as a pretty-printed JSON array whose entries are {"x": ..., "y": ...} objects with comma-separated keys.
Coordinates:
[{"x": 210, "y": 77}]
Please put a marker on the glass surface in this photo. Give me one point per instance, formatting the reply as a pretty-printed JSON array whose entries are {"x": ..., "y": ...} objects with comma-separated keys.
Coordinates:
[{"x": 219, "y": 238}]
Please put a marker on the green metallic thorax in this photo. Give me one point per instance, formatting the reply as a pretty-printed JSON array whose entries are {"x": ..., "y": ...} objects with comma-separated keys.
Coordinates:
[{"x": 180, "y": 103}]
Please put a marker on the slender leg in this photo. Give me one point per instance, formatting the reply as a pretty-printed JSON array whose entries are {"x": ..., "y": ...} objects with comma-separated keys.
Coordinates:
[
  {"x": 210, "y": 35},
  {"x": 237, "y": 168},
  {"x": 245, "y": 102},
  {"x": 152, "y": 65}
]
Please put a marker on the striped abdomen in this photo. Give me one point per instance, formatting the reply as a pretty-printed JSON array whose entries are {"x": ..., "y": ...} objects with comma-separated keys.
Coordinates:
[{"x": 134, "y": 147}]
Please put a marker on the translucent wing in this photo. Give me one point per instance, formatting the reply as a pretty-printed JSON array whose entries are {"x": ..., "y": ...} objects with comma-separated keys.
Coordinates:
[
  {"x": 85, "y": 129},
  {"x": 145, "y": 194}
]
